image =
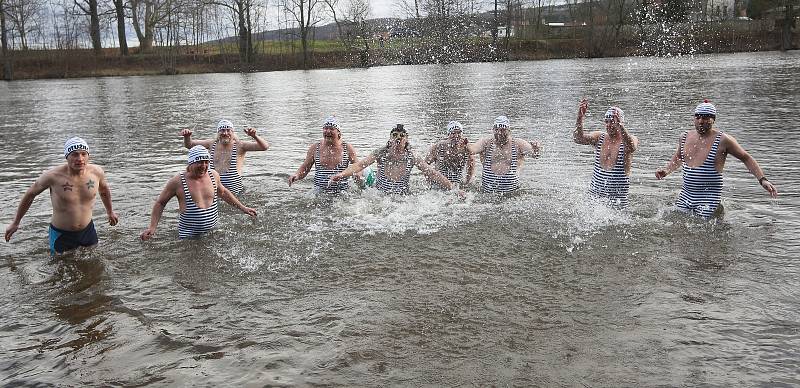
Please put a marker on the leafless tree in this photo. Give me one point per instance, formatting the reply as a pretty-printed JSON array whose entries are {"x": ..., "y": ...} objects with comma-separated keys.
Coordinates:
[
  {"x": 8, "y": 74},
  {"x": 24, "y": 15},
  {"x": 91, "y": 9},
  {"x": 303, "y": 12},
  {"x": 352, "y": 26}
]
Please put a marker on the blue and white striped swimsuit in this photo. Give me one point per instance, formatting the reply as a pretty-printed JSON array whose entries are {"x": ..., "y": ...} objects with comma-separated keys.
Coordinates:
[
  {"x": 322, "y": 175},
  {"x": 390, "y": 186},
  {"x": 195, "y": 221},
  {"x": 452, "y": 173},
  {"x": 492, "y": 182},
  {"x": 611, "y": 185},
  {"x": 230, "y": 178},
  {"x": 702, "y": 186}
]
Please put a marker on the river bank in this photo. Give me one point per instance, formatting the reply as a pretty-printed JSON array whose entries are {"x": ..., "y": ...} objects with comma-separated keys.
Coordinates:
[{"x": 49, "y": 64}]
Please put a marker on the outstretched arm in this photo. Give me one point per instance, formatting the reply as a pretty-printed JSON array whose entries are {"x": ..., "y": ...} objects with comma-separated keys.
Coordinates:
[
  {"x": 158, "y": 208},
  {"x": 470, "y": 167},
  {"x": 305, "y": 167},
  {"x": 258, "y": 145},
  {"x": 673, "y": 163},
  {"x": 105, "y": 195},
  {"x": 529, "y": 148},
  {"x": 733, "y": 148},
  {"x": 41, "y": 184},
  {"x": 354, "y": 168},
  {"x": 432, "y": 174},
  {"x": 478, "y": 146},
  {"x": 231, "y": 199}
]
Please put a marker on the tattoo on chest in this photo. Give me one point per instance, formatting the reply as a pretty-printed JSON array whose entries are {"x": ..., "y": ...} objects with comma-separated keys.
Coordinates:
[
  {"x": 67, "y": 186},
  {"x": 90, "y": 184}
]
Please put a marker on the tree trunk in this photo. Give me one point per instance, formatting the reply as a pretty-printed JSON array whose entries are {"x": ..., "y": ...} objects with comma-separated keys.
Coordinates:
[
  {"x": 788, "y": 23},
  {"x": 94, "y": 27},
  {"x": 119, "y": 7},
  {"x": 8, "y": 74}
]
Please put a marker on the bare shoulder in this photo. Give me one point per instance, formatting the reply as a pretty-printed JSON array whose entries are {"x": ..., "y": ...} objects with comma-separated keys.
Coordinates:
[{"x": 96, "y": 170}]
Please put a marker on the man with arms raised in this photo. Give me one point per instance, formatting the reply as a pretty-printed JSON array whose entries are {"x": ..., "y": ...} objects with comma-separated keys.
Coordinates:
[
  {"x": 702, "y": 155},
  {"x": 502, "y": 157},
  {"x": 73, "y": 188},
  {"x": 329, "y": 157},
  {"x": 227, "y": 152},
  {"x": 198, "y": 190},
  {"x": 613, "y": 153}
]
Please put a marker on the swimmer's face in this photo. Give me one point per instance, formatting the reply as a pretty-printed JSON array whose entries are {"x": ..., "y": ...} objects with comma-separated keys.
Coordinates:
[
  {"x": 703, "y": 123},
  {"x": 330, "y": 132},
  {"x": 225, "y": 135},
  {"x": 78, "y": 160},
  {"x": 399, "y": 138},
  {"x": 611, "y": 125},
  {"x": 455, "y": 136},
  {"x": 501, "y": 133},
  {"x": 198, "y": 168}
]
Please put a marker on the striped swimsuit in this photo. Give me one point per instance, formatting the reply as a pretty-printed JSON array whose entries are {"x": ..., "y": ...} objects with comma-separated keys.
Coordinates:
[
  {"x": 195, "y": 221},
  {"x": 611, "y": 185},
  {"x": 702, "y": 185},
  {"x": 492, "y": 182},
  {"x": 390, "y": 186},
  {"x": 322, "y": 174},
  {"x": 453, "y": 173},
  {"x": 230, "y": 178}
]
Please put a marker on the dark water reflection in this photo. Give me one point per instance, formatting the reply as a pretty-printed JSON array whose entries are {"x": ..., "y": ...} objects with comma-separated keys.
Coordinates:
[{"x": 540, "y": 289}]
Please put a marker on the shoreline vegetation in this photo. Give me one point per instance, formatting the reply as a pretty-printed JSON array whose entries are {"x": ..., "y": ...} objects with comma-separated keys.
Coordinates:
[{"x": 588, "y": 33}]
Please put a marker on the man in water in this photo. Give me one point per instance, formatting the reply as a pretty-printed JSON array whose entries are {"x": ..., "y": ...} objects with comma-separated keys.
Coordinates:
[
  {"x": 451, "y": 156},
  {"x": 502, "y": 157},
  {"x": 73, "y": 188},
  {"x": 198, "y": 190},
  {"x": 395, "y": 161},
  {"x": 227, "y": 152},
  {"x": 613, "y": 152},
  {"x": 329, "y": 156},
  {"x": 702, "y": 155}
]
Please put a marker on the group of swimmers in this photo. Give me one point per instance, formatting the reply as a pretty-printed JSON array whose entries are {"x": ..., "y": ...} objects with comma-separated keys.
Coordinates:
[{"x": 214, "y": 166}]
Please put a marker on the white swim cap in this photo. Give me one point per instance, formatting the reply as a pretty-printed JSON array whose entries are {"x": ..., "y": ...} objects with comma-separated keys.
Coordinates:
[
  {"x": 198, "y": 153},
  {"x": 331, "y": 122},
  {"x": 75, "y": 144},
  {"x": 224, "y": 124},
  {"x": 610, "y": 114},
  {"x": 502, "y": 122},
  {"x": 454, "y": 125},
  {"x": 706, "y": 108}
]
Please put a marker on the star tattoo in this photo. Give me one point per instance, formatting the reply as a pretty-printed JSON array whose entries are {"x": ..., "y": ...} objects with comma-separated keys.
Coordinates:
[{"x": 90, "y": 184}]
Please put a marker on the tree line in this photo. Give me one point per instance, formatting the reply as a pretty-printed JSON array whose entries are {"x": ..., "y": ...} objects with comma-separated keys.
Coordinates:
[{"x": 431, "y": 30}]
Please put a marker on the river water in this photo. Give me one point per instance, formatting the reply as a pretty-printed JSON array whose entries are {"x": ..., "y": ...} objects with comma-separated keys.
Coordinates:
[{"x": 544, "y": 288}]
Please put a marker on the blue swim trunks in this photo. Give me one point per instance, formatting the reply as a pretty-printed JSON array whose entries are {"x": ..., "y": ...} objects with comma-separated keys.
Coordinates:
[{"x": 65, "y": 240}]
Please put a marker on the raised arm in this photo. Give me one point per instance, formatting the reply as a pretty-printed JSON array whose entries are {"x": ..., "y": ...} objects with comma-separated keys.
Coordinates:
[
  {"x": 41, "y": 184},
  {"x": 529, "y": 148},
  {"x": 478, "y": 146},
  {"x": 733, "y": 148},
  {"x": 169, "y": 191},
  {"x": 631, "y": 142},
  {"x": 578, "y": 135},
  {"x": 259, "y": 144},
  {"x": 305, "y": 167},
  {"x": 105, "y": 195},
  {"x": 188, "y": 142},
  {"x": 673, "y": 163},
  {"x": 231, "y": 199}
]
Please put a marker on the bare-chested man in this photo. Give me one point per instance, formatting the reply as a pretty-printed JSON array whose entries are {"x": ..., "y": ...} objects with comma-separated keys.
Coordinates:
[
  {"x": 702, "y": 155},
  {"x": 502, "y": 157},
  {"x": 227, "y": 152},
  {"x": 329, "y": 157},
  {"x": 73, "y": 188},
  {"x": 613, "y": 153},
  {"x": 451, "y": 156},
  {"x": 198, "y": 190}
]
